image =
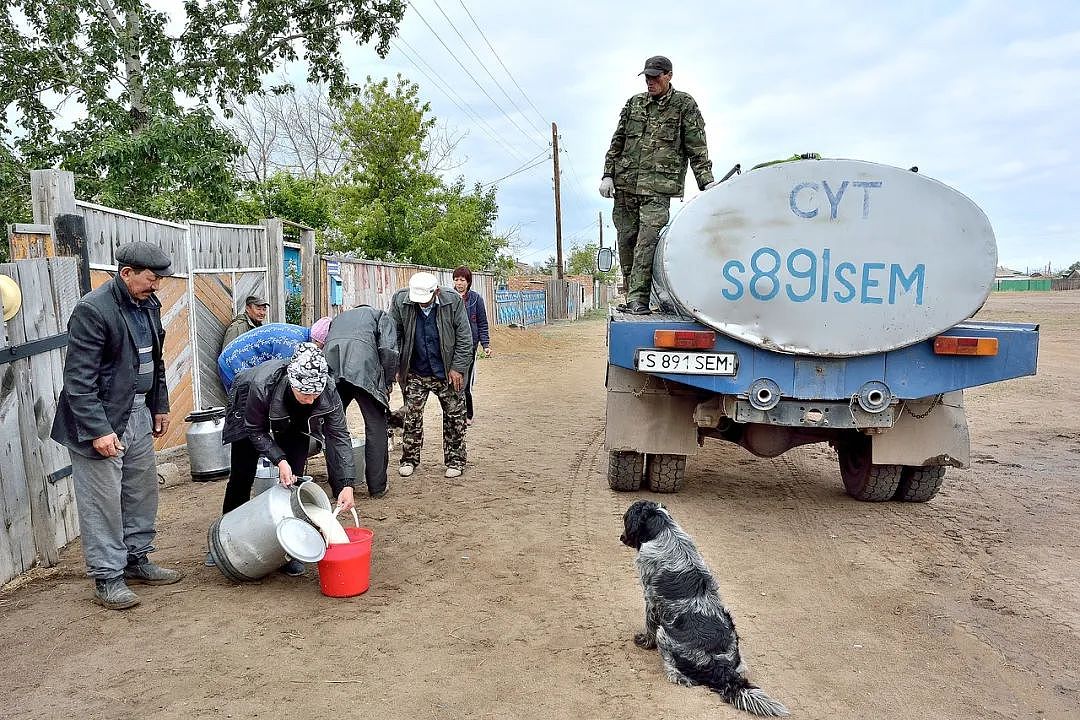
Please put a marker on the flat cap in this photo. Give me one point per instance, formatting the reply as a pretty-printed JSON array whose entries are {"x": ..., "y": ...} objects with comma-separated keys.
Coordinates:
[
  {"x": 656, "y": 65},
  {"x": 255, "y": 300},
  {"x": 144, "y": 255}
]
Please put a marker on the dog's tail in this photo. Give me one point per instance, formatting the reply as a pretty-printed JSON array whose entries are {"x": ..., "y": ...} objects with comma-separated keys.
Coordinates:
[
  {"x": 753, "y": 700},
  {"x": 733, "y": 687}
]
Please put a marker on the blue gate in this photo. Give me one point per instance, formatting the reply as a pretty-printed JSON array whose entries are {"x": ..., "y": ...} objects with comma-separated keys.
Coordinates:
[{"x": 520, "y": 307}]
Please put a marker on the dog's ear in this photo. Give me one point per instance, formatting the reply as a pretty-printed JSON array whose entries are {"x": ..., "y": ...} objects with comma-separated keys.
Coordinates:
[{"x": 643, "y": 521}]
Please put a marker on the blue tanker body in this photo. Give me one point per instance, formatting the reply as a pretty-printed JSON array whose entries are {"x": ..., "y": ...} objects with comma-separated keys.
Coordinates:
[{"x": 876, "y": 368}]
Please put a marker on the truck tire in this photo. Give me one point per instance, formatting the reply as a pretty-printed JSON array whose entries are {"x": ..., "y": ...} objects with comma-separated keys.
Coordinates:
[
  {"x": 863, "y": 480},
  {"x": 666, "y": 472},
  {"x": 919, "y": 484},
  {"x": 624, "y": 470}
]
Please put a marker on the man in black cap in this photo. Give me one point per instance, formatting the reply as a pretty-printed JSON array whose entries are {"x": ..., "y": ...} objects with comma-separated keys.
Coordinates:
[
  {"x": 252, "y": 316},
  {"x": 114, "y": 403},
  {"x": 659, "y": 132}
]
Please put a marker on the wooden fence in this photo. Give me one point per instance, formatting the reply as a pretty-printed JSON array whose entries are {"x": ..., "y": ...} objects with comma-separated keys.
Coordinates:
[
  {"x": 216, "y": 267},
  {"x": 520, "y": 308},
  {"x": 565, "y": 300},
  {"x": 345, "y": 283},
  {"x": 37, "y": 499}
]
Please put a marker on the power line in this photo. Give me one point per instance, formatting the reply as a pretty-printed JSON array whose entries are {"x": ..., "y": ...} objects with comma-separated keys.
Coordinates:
[
  {"x": 538, "y": 159},
  {"x": 473, "y": 79},
  {"x": 580, "y": 193},
  {"x": 482, "y": 65},
  {"x": 450, "y": 94},
  {"x": 501, "y": 63},
  {"x": 573, "y": 170},
  {"x": 551, "y": 245}
]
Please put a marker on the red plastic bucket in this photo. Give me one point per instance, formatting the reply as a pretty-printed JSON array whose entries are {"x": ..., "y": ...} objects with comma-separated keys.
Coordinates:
[{"x": 345, "y": 570}]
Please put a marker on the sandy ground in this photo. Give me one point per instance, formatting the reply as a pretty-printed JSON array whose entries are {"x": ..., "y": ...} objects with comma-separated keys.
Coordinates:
[{"x": 506, "y": 594}]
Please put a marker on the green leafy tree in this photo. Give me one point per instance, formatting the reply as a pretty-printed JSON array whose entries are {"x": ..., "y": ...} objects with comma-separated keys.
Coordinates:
[
  {"x": 392, "y": 203},
  {"x": 582, "y": 261},
  {"x": 1074, "y": 267},
  {"x": 308, "y": 201},
  {"x": 177, "y": 167},
  {"x": 294, "y": 301},
  {"x": 126, "y": 68},
  {"x": 14, "y": 195}
]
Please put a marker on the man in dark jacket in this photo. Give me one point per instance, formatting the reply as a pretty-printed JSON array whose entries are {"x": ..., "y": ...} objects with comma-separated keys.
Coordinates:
[
  {"x": 114, "y": 403},
  {"x": 252, "y": 316},
  {"x": 274, "y": 410},
  {"x": 436, "y": 352},
  {"x": 362, "y": 351}
]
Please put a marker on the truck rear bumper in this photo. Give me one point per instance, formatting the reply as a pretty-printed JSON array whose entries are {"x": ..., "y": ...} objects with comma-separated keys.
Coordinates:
[{"x": 909, "y": 373}]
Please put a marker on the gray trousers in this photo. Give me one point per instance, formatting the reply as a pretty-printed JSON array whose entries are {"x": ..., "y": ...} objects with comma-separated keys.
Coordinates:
[{"x": 117, "y": 498}]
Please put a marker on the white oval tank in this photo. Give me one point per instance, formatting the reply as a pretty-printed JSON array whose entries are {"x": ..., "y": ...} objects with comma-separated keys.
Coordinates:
[{"x": 829, "y": 257}]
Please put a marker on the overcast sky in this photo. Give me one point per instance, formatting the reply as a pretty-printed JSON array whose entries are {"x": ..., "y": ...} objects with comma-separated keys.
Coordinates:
[{"x": 980, "y": 95}]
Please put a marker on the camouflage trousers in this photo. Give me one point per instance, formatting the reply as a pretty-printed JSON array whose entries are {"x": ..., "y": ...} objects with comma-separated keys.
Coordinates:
[
  {"x": 453, "y": 409},
  {"x": 638, "y": 220}
]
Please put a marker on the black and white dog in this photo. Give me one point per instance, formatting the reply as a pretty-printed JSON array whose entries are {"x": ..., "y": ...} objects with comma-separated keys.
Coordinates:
[{"x": 684, "y": 616}]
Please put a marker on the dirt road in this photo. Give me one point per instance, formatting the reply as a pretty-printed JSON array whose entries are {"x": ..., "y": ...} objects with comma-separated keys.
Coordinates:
[{"x": 506, "y": 593}]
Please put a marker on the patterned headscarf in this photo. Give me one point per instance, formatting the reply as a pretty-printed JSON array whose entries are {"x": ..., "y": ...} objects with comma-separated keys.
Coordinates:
[{"x": 308, "y": 371}]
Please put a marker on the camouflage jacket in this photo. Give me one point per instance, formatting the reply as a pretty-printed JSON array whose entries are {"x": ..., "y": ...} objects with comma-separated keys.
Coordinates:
[{"x": 654, "y": 141}]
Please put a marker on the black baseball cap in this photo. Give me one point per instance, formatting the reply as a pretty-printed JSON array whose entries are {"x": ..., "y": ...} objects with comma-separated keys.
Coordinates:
[{"x": 656, "y": 65}]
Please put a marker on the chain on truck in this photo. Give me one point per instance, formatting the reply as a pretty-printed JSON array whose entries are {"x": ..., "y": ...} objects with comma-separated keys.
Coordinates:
[{"x": 816, "y": 300}]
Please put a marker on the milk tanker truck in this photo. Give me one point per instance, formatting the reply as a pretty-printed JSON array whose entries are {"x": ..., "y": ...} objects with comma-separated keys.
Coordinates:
[{"x": 818, "y": 300}]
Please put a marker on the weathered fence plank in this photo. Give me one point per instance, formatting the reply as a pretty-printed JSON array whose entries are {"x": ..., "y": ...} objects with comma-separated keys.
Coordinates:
[
  {"x": 66, "y": 281},
  {"x": 17, "y": 553},
  {"x": 32, "y": 320}
]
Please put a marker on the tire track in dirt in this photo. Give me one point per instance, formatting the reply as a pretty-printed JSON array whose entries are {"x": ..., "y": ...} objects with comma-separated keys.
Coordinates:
[
  {"x": 585, "y": 504},
  {"x": 954, "y": 546}
]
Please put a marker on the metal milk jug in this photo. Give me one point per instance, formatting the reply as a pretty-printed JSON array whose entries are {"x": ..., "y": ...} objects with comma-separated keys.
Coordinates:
[
  {"x": 266, "y": 476},
  {"x": 209, "y": 459}
]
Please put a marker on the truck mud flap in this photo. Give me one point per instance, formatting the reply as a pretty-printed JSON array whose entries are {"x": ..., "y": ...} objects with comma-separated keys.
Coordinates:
[{"x": 931, "y": 431}]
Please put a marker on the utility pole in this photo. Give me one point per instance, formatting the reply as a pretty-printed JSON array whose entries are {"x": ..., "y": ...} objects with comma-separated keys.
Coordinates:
[
  {"x": 600, "y": 216},
  {"x": 558, "y": 203}
]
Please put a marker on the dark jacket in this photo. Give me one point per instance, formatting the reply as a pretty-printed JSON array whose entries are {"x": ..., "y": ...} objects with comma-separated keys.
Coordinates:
[
  {"x": 478, "y": 321},
  {"x": 102, "y": 368},
  {"x": 239, "y": 325},
  {"x": 362, "y": 349},
  {"x": 257, "y": 408},
  {"x": 455, "y": 335}
]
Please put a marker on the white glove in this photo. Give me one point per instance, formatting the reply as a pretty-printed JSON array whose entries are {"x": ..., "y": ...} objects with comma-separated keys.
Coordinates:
[
  {"x": 607, "y": 188},
  {"x": 713, "y": 184}
]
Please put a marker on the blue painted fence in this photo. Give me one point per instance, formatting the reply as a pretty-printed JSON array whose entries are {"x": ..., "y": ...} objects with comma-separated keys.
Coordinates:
[{"x": 520, "y": 307}]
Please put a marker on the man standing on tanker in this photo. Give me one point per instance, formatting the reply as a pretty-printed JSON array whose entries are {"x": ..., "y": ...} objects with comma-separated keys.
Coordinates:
[{"x": 659, "y": 132}]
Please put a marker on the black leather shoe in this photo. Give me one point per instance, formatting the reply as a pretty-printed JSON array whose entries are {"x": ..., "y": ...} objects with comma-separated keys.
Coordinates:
[{"x": 638, "y": 309}]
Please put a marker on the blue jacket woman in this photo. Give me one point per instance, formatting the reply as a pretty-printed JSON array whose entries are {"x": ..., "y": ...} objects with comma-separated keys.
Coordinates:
[{"x": 477, "y": 312}]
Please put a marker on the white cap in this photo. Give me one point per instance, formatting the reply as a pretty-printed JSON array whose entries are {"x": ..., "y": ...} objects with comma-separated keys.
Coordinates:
[{"x": 422, "y": 287}]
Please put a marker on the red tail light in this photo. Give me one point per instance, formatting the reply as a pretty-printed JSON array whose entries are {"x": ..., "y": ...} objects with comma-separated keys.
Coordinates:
[
  {"x": 946, "y": 345},
  {"x": 684, "y": 339}
]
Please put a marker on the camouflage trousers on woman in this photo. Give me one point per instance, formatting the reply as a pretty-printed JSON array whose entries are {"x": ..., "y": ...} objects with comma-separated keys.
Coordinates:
[{"x": 453, "y": 409}]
